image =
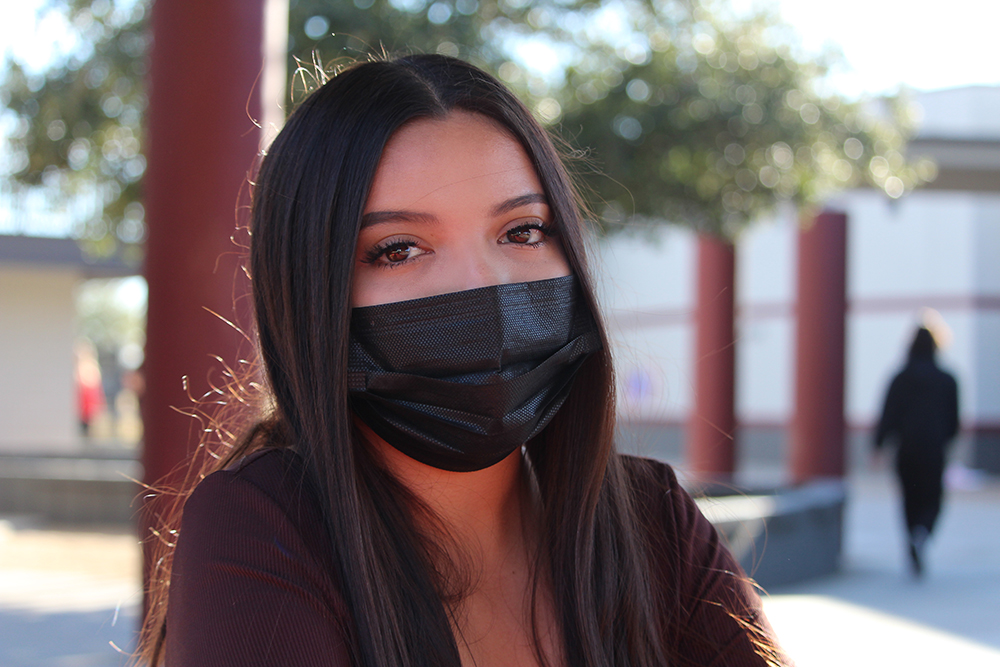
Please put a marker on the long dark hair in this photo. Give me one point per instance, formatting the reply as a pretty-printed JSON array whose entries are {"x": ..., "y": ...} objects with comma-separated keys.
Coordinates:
[{"x": 308, "y": 201}]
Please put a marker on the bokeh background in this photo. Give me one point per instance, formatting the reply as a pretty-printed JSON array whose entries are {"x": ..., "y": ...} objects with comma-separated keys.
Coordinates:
[{"x": 710, "y": 140}]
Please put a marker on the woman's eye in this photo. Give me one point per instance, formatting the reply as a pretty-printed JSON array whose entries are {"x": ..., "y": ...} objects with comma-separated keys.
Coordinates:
[
  {"x": 399, "y": 252},
  {"x": 392, "y": 253},
  {"x": 525, "y": 235}
]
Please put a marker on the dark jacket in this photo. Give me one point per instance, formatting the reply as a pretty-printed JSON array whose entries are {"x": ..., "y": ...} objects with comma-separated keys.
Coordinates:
[{"x": 921, "y": 409}]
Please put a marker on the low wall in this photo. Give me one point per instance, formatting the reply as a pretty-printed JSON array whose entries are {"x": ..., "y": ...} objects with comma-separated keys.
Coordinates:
[
  {"x": 782, "y": 537},
  {"x": 70, "y": 490},
  {"x": 778, "y": 537}
]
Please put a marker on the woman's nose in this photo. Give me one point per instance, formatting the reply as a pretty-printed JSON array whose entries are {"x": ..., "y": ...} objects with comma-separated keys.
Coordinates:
[{"x": 478, "y": 270}]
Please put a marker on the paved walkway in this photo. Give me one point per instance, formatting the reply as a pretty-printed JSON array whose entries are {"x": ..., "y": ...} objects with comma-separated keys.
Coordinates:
[
  {"x": 873, "y": 613},
  {"x": 68, "y": 598}
]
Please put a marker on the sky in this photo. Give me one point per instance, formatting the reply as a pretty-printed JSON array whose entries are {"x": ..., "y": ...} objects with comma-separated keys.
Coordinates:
[
  {"x": 888, "y": 44},
  {"x": 918, "y": 44},
  {"x": 32, "y": 42}
]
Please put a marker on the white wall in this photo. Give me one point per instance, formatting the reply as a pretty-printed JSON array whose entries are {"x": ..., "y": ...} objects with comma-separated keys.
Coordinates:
[
  {"x": 919, "y": 246},
  {"x": 930, "y": 249},
  {"x": 987, "y": 245},
  {"x": 37, "y": 394},
  {"x": 765, "y": 325},
  {"x": 972, "y": 112},
  {"x": 646, "y": 290}
]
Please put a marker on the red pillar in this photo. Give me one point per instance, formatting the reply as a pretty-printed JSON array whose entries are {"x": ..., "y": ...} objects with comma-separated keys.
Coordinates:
[
  {"x": 711, "y": 450},
  {"x": 817, "y": 430},
  {"x": 204, "y": 90}
]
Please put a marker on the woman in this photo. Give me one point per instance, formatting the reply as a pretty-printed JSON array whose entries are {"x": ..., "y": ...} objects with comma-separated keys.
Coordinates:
[{"x": 423, "y": 310}]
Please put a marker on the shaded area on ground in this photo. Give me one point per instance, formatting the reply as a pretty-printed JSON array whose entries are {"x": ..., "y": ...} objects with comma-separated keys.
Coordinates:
[
  {"x": 874, "y": 613},
  {"x": 67, "y": 639}
]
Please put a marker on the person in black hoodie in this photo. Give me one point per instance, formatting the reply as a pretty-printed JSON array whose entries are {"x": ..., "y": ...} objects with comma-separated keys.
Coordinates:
[{"x": 921, "y": 416}]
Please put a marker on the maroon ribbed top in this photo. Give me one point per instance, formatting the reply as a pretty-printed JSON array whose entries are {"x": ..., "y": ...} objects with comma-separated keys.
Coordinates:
[{"x": 252, "y": 581}]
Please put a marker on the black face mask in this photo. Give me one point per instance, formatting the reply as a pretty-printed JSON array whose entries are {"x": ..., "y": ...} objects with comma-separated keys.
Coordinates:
[{"x": 459, "y": 381}]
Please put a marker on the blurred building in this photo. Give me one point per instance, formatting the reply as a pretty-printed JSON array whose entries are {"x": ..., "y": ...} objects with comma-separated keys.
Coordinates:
[
  {"x": 39, "y": 403},
  {"x": 937, "y": 248}
]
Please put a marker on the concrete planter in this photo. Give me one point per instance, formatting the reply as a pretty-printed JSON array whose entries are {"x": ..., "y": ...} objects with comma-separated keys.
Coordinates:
[{"x": 785, "y": 536}]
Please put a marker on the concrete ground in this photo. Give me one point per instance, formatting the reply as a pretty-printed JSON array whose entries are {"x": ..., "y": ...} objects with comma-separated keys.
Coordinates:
[
  {"x": 70, "y": 597},
  {"x": 874, "y": 613}
]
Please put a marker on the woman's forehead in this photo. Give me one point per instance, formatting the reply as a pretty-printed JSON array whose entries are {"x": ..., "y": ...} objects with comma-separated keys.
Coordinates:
[{"x": 464, "y": 153}]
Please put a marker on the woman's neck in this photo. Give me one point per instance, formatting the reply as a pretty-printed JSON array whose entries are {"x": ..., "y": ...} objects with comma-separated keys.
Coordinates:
[
  {"x": 484, "y": 511},
  {"x": 491, "y": 522}
]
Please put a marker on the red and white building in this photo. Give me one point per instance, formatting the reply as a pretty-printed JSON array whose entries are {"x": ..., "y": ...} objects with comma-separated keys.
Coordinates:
[{"x": 937, "y": 248}]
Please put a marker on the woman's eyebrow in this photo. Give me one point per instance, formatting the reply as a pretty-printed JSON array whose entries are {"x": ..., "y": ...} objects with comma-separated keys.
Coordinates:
[
  {"x": 379, "y": 217},
  {"x": 517, "y": 202},
  {"x": 506, "y": 206}
]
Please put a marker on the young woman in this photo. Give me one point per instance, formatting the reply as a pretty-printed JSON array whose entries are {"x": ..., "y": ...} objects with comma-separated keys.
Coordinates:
[{"x": 435, "y": 481}]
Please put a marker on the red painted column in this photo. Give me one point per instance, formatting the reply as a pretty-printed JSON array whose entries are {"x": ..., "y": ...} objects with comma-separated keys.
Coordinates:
[
  {"x": 204, "y": 90},
  {"x": 817, "y": 429},
  {"x": 711, "y": 448}
]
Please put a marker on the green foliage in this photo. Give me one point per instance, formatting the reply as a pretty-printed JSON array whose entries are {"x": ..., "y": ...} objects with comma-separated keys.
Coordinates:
[
  {"x": 479, "y": 31},
  {"x": 694, "y": 117},
  {"x": 357, "y": 29},
  {"x": 689, "y": 115},
  {"x": 111, "y": 313},
  {"x": 79, "y": 132}
]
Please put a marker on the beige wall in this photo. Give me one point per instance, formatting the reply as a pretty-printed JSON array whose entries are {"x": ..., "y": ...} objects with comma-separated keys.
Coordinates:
[{"x": 37, "y": 397}]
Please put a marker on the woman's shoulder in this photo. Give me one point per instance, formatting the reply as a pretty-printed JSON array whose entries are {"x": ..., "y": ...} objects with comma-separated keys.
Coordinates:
[
  {"x": 652, "y": 480},
  {"x": 277, "y": 473},
  {"x": 721, "y": 619},
  {"x": 670, "y": 513},
  {"x": 643, "y": 467},
  {"x": 252, "y": 580},
  {"x": 266, "y": 491}
]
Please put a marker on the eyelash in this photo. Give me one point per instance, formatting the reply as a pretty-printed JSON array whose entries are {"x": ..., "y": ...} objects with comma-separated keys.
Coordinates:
[
  {"x": 547, "y": 229},
  {"x": 378, "y": 251}
]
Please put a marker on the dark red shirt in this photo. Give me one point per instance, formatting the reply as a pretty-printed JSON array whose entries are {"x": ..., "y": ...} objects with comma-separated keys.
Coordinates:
[{"x": 252, "y": 585}]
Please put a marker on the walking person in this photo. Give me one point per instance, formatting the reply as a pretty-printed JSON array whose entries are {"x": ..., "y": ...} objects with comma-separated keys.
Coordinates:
[{"x": 921, "y": 416}]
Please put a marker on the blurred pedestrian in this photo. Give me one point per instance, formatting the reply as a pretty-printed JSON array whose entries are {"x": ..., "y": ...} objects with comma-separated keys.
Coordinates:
[
  {"x": 90, "y": 399},
  {"x": 921, "y": 417}
]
